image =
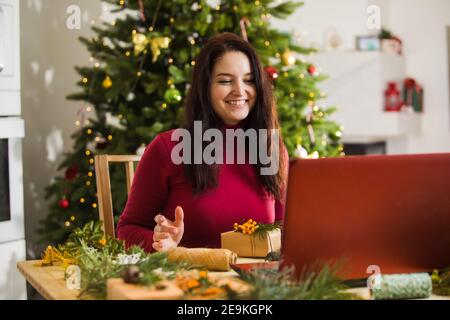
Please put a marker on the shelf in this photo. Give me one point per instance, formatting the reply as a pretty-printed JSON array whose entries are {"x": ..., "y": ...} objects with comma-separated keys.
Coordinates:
[
  {"x": 394, "y": 125},
  {"x": 356, "y": 85}
]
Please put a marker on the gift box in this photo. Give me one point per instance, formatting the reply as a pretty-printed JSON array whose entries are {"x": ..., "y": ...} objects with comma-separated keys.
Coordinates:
[
  {"x": 118, "y": 289},
  {"x": 257, "y": 245}
]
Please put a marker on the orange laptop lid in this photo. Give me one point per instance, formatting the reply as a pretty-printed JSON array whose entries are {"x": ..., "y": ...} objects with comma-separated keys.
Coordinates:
[{"x": 388, "y": 211}]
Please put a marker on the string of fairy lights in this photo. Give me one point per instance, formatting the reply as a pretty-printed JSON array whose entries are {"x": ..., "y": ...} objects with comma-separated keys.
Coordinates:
[{"x": 287, "y": 58}]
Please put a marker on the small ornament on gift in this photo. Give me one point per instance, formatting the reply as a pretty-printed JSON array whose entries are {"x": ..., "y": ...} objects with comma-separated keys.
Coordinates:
[{"x": 252, "y": 239}]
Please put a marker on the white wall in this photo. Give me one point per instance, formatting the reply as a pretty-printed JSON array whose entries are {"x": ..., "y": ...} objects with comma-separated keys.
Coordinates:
[
  {"x": 316, "y": 17},
  {"x": 421, "y": 24},
  {"x": 49, "y": 53}
]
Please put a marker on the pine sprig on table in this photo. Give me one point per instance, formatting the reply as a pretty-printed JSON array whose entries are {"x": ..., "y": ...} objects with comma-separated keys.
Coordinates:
[
  {"x": 91, "y": 234},
  {"x": 264, "y": 228},
  {"x": 252, "y": 227},
  {"x": 441, "y": 282},
  {"x": 281, "y": 285},
  {"x": 99, "y": 265},
  {"x": 158, "y": 261},
  {"x": 99, "y": 260}
]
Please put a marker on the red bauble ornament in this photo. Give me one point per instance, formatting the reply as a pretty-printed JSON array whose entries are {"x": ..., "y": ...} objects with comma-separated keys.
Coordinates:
[
  {"x": 63, "y": 203},
  {"x": 272, "y": 72},
  {"x": 71, "y": 172},
  {"x": 312, "y": 69}
]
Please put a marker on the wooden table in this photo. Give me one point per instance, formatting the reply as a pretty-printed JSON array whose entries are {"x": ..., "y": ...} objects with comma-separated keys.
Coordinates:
[{"x": 50, "y": 283}]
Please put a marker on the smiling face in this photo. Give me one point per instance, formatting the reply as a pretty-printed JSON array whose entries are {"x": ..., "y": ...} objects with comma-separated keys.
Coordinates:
[{"x": 233, "y": 90}]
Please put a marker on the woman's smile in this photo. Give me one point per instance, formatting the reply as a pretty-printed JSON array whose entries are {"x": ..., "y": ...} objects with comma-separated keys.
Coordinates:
[{"x": 237, "y": 103}]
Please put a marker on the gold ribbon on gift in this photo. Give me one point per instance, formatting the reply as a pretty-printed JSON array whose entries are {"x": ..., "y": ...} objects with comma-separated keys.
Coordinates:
[
  {"x": 211, "y": 259},
  {"x": 141, "y": 41}
]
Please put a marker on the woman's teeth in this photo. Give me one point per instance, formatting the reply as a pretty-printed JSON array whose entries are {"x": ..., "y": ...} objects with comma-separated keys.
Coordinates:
[{"x": 237, "y": 102}]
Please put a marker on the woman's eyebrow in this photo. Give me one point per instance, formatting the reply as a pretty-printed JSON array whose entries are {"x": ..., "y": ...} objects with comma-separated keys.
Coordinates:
[{"x": 230, "y": 75}]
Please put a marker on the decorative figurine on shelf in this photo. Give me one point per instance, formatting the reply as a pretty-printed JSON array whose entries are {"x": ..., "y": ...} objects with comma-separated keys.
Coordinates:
[
  {"x": 333, "y": 40},
  {"x": 367, "y": 43},
  {"x": 413, "y": 94},
  {"x": 392, "y": 98},
  {"x": 390, "y": 43}
]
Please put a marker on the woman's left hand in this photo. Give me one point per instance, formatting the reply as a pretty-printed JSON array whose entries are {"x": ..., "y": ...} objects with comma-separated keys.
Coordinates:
[{"x": 168, "y": 234}]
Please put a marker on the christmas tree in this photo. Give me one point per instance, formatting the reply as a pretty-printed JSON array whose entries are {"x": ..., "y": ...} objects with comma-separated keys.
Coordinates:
[{"x": 142, "y": 68}]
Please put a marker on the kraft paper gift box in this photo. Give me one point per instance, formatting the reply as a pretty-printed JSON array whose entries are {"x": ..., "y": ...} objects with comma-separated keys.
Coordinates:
[{"x": 254, "y": 245}]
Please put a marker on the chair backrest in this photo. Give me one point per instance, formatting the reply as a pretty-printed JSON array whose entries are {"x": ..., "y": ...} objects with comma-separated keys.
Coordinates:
[{"x": 104, "y": 195}]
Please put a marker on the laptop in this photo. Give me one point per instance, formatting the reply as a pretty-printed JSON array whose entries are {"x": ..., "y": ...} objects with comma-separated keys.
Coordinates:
[{"x": 369, "y": 213}]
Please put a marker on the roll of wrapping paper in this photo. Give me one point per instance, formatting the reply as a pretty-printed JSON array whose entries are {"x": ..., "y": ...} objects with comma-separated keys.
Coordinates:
[
  {"x": 211, "y": 259},
  {"x": 400, "y": 286}
]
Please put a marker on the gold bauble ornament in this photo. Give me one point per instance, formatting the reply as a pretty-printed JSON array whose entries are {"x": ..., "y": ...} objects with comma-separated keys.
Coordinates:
[
  {"x": 288, "y": 58},
  {"x": 107, "y": 83}
]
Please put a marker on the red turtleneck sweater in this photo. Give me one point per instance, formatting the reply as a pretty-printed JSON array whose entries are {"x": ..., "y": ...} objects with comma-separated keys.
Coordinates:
[{"x": 159, "y": 186}]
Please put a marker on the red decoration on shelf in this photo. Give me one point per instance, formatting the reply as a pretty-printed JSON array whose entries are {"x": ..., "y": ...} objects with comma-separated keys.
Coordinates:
[
  {"x": 392, "y": 99},
  {"x": 71, "y": 172},
  {"x": 63, "y": 203},
  {"x": 272, "y": 72},
  {"x": 312, "y": 69},
  {"x": 413, "y": 94}
]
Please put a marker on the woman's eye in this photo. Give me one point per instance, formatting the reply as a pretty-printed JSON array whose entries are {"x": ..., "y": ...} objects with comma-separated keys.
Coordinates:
[{"x": 229, "y": 81}]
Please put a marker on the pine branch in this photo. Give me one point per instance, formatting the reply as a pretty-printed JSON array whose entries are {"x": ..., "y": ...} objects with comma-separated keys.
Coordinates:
[{"x": 281, "y": 285}]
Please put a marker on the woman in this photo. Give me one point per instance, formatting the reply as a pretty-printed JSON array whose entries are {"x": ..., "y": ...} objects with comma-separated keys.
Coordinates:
[{"x": 191, "y": 204}]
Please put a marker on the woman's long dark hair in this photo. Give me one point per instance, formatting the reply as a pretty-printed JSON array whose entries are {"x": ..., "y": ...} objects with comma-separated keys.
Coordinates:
[{"x": 198, "y": 107}]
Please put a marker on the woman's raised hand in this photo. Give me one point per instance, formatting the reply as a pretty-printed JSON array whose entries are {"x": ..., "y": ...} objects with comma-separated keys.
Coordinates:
[{"x": 168, "y": 234}]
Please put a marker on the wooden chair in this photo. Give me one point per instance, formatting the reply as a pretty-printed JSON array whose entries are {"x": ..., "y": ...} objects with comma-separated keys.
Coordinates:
[{"x": 104, "y": 195}]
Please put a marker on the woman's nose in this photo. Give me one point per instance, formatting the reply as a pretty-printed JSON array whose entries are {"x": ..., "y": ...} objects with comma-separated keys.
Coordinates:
[{"x": 238, "y": 88}]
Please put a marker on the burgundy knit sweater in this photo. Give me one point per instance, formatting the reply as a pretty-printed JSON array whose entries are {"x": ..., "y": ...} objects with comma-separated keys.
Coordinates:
[{"x": 159, "y": 186}]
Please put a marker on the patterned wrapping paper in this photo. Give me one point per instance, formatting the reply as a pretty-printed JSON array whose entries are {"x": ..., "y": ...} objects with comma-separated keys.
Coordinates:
[{"x": 400, "y": 286}]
